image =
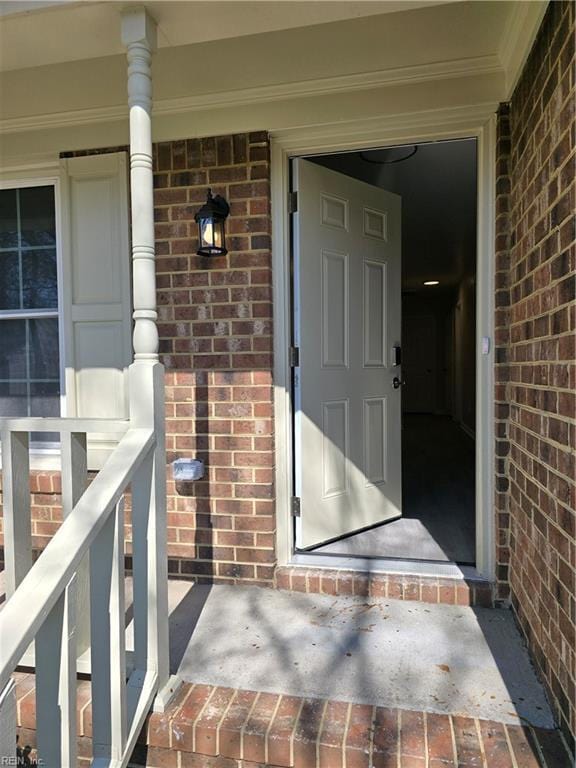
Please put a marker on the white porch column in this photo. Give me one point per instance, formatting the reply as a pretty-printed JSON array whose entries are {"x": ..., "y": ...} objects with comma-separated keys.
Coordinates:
[
  {"x": 139, "y": 37},
  {"x": 150, "y": 572}
]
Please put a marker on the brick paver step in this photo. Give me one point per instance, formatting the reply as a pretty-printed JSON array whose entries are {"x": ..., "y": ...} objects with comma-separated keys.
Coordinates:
[{"x": 216, "y": 727}]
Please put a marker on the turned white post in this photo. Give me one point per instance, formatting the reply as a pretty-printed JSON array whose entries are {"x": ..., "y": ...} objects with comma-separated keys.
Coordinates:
[
  {"x": 139, "y": 37},
  {"x": 150, "y": 573}
]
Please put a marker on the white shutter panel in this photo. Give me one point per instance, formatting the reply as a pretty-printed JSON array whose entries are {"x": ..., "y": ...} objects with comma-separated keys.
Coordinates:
[{"x": 96, "y": 292}]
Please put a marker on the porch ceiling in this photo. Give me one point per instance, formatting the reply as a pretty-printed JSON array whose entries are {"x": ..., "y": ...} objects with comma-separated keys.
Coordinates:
[
  {"x": 241, "y": 66},
  {"x": 38, "y": 33},
  {"x": 44, "y": 32}
]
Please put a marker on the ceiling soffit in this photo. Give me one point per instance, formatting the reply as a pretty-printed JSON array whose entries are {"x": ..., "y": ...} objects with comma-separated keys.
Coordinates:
[{"x": 492, "y": 49}]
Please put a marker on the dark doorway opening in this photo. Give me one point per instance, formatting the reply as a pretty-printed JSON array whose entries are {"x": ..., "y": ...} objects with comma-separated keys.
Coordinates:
[{"x": 438, "y": 185}]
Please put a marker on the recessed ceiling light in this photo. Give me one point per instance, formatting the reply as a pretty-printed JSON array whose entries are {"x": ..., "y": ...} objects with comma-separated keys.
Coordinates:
[{"x": 432, "y": 282}]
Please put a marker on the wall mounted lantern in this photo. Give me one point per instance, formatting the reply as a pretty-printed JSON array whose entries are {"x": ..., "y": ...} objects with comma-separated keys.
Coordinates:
[{"x": 210, "y": 219}]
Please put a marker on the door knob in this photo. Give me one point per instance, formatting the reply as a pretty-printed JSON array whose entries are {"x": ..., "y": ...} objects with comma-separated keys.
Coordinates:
[{"x": 396, "y": 383}]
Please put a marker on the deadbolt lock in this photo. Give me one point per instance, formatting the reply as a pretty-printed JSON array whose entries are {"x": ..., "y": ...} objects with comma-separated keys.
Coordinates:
[{"x": 397, "y": 383}]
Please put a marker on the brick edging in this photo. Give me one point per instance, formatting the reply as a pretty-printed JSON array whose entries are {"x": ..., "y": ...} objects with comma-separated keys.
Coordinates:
[
  {"x": 213, "y": 727},
  {"x": 426, "y": 589}
]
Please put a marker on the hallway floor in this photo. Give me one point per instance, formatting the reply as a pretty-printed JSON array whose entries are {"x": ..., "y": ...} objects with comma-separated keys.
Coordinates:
[{"x": 438, "y": 486}]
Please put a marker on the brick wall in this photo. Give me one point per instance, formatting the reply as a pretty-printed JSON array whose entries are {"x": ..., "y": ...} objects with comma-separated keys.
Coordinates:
[
  {"x": 535, "y": 398},
  {"x": 215, "y": 324},
  {"x": 501, "y": 351}
]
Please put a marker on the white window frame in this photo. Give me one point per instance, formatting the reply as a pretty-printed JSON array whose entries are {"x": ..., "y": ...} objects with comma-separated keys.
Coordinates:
[{"x": 46, "y": 456}]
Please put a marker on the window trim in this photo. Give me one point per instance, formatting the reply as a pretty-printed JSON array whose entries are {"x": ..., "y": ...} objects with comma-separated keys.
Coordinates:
[{"x": 46, "y": 456}]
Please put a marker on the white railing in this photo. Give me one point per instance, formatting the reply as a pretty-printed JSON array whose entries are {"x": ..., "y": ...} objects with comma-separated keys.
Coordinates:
[
  {"x": 44, "y": 602},
  {"x": 84, "y": 561}
]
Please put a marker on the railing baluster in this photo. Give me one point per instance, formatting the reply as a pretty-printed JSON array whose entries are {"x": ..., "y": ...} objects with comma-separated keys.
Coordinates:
[
  {"x": 45, "y": 604},
  {"x": 56, "y": 683},
  {"x": 16, "y": 491},
  {"x": 8, "y": 723},
  {"x": 108, "y": 654},
  {"x": 141, "y": 494},
  {"x": 149, "y": 535},
  {"x": 74, "y": 465}
]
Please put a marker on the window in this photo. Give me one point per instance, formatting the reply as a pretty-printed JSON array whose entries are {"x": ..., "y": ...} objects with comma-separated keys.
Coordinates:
[
  {"x": 29, "y": 321},
  {"x": 65, "y": 308}
]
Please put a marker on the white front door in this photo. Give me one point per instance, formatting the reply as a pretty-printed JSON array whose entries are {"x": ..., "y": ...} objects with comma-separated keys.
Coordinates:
[{"x": 347, "y": 282}]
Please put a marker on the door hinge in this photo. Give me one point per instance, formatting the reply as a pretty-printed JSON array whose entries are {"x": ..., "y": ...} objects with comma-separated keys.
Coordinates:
[
  {"x": 294, "y": 357},
  {"x": 292, "y": 202},
  {"x": 295, "y": 506}
]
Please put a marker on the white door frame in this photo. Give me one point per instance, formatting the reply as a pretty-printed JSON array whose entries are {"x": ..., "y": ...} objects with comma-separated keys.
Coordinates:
[{"x": 470, "y": 122}]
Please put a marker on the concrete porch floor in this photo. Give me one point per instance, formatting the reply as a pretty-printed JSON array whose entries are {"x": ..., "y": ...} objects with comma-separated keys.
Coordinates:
[
  {"x": 443, "y": 659},
  {"x": 417, "y": 656}
]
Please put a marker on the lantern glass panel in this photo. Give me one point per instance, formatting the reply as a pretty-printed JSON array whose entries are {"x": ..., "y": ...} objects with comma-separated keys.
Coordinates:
[
  {"x": 211, "y": 233},
  {"x": 211, "y": 226}
]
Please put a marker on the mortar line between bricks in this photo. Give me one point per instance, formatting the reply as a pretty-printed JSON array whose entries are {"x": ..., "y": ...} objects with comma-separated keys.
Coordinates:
[
  {"x": 346, "y": 726},
  {"x": 400, "y": 737},
  {"x": 198, "y": 716},
  {"x": 84, "y": 708},
  {"x": 19, "y": 705},
  {"x": 248, "y": 716},
  {"x": 222, "y": 720},
  {"x": 512, "y": 755},
  {"x": 398, "y": 750},
  {"x": 320, "y": 727},
  {"x": 565, "y": 744},
  {"x": 175, "y": 715},
  {"x": 371, "y": 736},
  {"x": 481, "y": 742},
  {"x": 426, "y": 756},
  {"x": 453, "y": 732},
  {"x": 296, "y": 719},
  {"x": 539, "y": 749},
  {"x": 267, "y": 735}
]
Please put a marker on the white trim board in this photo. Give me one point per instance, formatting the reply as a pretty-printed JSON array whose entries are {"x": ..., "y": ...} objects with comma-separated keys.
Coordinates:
[
  {"x": 476, "y": 122},
  {"x": 388, "y": 566},
  {"x": 518, "y": 38},
  {"x": 420, "y": 73}
]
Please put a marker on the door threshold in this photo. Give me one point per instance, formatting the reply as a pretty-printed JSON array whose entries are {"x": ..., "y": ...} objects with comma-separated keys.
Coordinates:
[{"x": 430, "y": 569}]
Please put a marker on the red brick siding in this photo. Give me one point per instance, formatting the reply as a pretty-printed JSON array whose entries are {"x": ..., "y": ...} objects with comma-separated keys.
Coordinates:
[
  {"x": 501, "y": 351},
  {"x": 538, "y": 356},
  {"x": 426, "y": 589},
  {"x": 215, "y": 324}
]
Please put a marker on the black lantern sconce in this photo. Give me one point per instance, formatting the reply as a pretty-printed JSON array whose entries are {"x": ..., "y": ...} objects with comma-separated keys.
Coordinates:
[{"x": 210, "y": 219}]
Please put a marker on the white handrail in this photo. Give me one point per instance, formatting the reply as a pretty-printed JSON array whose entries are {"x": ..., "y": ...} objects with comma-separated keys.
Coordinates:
[
  {"x": 56, "y": 424},
  {"x": 24, "y": 613}
]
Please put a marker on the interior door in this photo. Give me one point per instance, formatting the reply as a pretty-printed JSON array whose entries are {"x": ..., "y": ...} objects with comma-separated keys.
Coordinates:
[
  {"x": 420, "y": 364},
  {"x": 347, "y": 279}
]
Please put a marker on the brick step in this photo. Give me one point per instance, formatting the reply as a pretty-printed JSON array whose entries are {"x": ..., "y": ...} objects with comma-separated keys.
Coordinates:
[
  {"x": 396, "y": 586},
  {"x": 214, "y": 727}
]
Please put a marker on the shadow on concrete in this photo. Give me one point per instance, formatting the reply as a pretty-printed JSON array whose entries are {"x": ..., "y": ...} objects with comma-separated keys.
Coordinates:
[{"x": 409, "y": 655}]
